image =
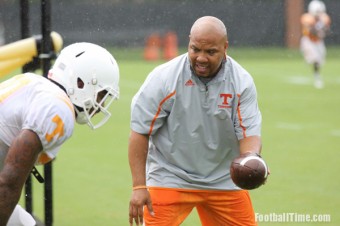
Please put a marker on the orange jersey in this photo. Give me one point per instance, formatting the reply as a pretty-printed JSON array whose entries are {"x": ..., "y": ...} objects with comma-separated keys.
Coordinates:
[{"x": 315, "y": 27}]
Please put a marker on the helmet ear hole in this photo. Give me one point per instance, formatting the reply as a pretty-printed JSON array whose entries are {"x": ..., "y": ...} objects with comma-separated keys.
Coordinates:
[{"x": 80, "y": 83}]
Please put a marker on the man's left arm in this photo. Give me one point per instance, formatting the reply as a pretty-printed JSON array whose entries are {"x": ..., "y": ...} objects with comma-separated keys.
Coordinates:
[{"x": 251, "y": 144}]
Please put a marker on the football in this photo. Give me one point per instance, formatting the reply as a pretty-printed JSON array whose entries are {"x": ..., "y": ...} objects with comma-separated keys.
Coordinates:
[{"x": 249, "y": 171}]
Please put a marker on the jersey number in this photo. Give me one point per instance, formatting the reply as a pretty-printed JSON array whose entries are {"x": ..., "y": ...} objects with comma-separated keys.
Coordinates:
[{"x": 59, "y": 129}]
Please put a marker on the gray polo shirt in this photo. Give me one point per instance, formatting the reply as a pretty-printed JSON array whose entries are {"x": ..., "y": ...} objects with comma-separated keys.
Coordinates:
[{"x": 194, "y": 127}]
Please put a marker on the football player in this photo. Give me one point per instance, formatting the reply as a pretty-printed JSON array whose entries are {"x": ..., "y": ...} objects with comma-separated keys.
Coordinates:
[
  {"x": 315, "y": 27},
  {"x": 38, "y": 114}
]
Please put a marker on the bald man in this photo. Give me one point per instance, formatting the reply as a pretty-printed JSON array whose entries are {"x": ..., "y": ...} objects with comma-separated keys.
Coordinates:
[{"x": 192, "y": 116}]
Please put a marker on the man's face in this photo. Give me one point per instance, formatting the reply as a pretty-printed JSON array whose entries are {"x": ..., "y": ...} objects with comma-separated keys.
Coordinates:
[{"x": 206, "y": 53}]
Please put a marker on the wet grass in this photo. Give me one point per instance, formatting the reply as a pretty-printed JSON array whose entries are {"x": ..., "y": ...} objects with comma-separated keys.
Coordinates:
[{"x": 301, "y": 137}]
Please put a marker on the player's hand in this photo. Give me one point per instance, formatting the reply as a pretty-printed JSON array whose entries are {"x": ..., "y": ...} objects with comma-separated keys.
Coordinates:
[
  {"x": 139, "y": 198},
  {"x": 255, "y": 154}
]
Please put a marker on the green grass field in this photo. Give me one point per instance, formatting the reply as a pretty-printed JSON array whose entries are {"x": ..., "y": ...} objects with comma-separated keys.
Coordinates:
[{"x": 301, "y": 137}]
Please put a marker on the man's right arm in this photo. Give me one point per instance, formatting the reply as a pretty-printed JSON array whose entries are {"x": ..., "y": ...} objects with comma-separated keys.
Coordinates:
[
  {"x": 138, "y": 150},
  {"x": 18, "y": 163}
]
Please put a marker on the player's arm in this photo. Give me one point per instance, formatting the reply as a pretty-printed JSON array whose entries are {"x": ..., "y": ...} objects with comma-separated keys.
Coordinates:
[
  {"x": 251, "y": 144},
  {"x": 137, "y": 153},
  {"x": 18, "y": 163}
]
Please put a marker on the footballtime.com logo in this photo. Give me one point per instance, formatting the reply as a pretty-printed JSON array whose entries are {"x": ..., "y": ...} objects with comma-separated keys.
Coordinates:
[{"x": 292, "y": 217}]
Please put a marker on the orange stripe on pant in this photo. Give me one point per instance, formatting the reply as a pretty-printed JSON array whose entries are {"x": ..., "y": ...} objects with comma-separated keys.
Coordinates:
[{"x": 215, "y": 208}]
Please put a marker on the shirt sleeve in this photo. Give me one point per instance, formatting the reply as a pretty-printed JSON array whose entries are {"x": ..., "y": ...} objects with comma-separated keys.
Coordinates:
[
  {"x": 52, "y": 120},
  {"x": 248, "y": 117},
  {"x": 148, "y": 107}
]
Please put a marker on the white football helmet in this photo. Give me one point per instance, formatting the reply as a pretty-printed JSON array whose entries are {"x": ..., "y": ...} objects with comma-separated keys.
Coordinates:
[
  {"x": 90, "y": 76},
  {"x": 316, "y": 7}
]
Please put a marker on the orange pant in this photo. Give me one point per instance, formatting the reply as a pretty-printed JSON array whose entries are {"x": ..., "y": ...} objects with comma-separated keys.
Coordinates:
[{"x": 215, "y": 208}]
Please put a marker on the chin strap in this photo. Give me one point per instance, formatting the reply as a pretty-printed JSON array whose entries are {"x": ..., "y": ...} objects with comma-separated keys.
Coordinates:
[
  {"x": 56, "y": 83},
  {"x": 37, "y": 175}
]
